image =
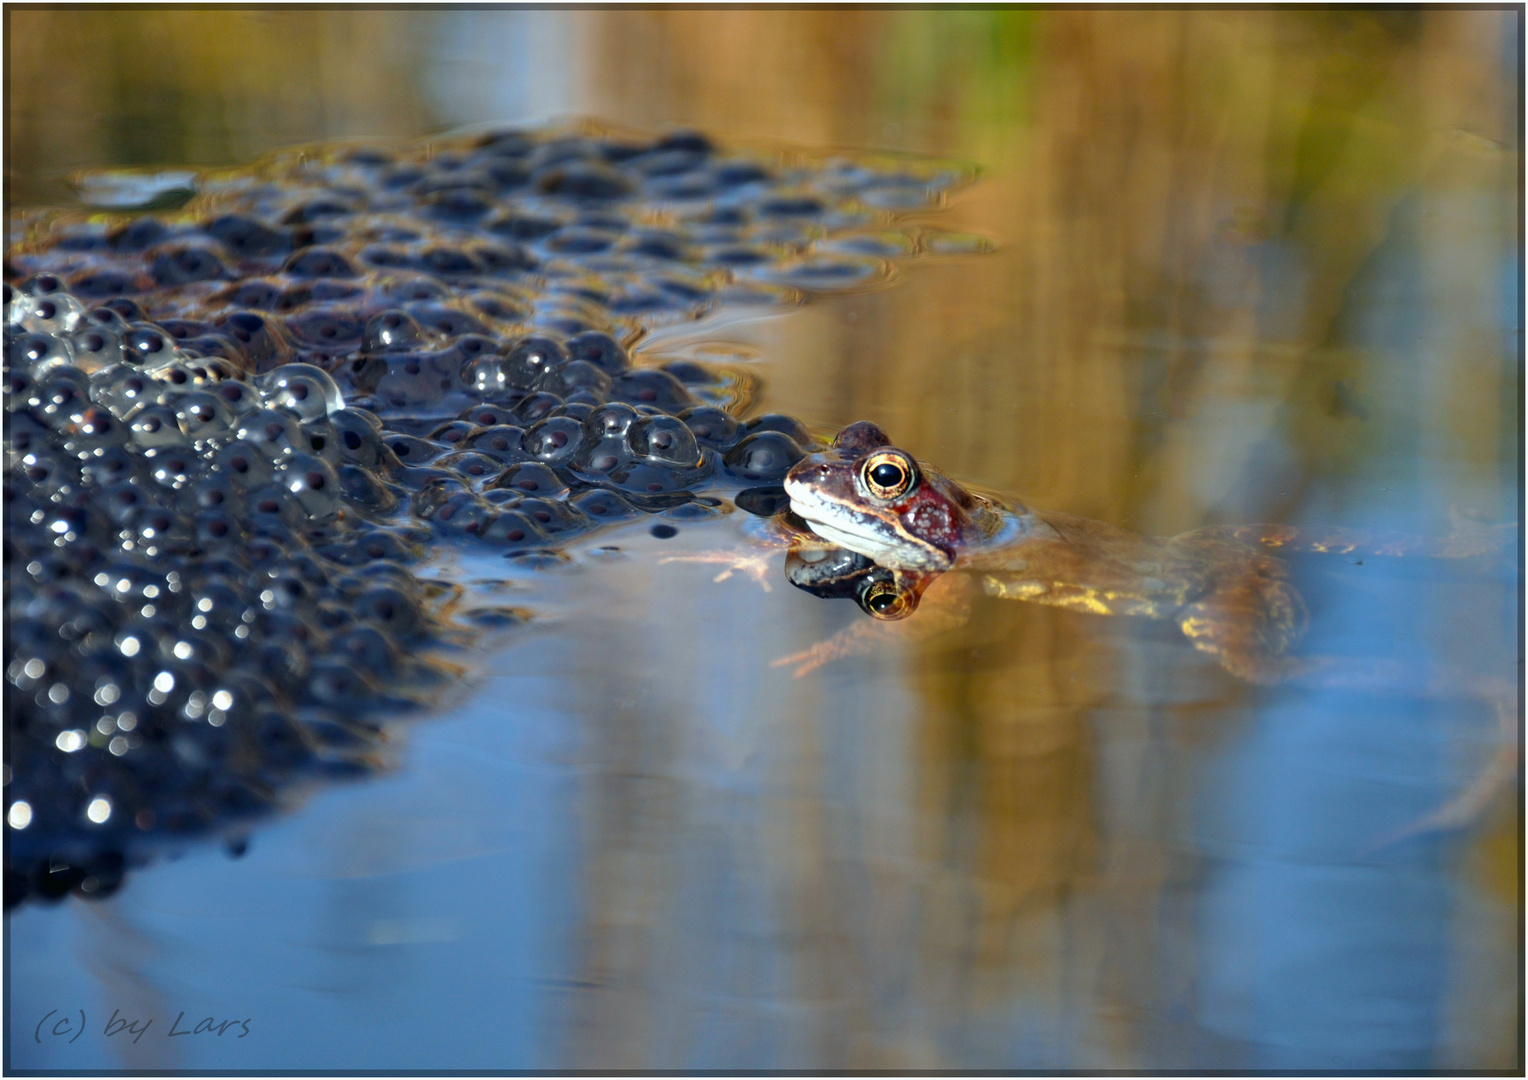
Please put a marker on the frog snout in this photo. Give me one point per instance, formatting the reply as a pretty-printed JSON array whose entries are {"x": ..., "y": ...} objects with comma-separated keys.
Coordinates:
[{"x": 808, "y": 472}]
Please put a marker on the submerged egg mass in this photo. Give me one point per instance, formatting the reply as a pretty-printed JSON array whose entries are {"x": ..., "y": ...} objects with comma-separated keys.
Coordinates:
[{"x": 232, "y": 431}]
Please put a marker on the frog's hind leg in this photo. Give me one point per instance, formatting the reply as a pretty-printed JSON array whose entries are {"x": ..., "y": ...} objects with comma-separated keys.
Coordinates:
[
  {"x": 1249, "y": 624},
  {"x": 1250, "y": 636}
]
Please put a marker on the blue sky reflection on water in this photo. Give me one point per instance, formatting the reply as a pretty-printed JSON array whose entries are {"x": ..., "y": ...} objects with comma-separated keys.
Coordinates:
[{"x": 1048, "y": 841}]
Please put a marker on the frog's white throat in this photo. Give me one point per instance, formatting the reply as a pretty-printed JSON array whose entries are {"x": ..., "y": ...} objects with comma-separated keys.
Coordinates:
[{"x": 863, "y": 532}]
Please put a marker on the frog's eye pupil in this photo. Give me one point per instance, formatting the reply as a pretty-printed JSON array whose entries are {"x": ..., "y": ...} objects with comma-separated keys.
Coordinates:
[
  {"x": 885, "y": 600},
  {"x": 887, "y": 475}
]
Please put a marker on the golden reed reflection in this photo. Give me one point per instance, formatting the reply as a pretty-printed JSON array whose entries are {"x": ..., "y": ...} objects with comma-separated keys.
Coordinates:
[{"x": 197, "y": 87}]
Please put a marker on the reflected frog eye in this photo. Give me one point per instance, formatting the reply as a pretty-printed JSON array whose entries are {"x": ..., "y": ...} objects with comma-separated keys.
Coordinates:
[
  {"x": 888, "y": 475},
  {"x": 888, "y": 601}
]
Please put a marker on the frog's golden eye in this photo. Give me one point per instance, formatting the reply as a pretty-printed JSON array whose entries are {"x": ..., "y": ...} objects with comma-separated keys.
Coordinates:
[
  {"x": 888, "y": 474},
  {"x": 888, "y": 601}
]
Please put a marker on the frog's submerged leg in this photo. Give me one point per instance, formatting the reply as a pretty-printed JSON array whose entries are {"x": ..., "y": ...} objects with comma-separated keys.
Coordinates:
[
  {"x": 1250, "y": 626},
  {"x": 1250, "y": 623}
]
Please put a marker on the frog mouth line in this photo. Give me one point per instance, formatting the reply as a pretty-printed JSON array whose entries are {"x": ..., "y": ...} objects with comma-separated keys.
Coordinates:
[{"x": 857, "y": 531}]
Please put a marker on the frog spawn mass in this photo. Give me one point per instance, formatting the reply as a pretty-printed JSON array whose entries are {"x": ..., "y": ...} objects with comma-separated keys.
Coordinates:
[{"x": 231, "y": 433}]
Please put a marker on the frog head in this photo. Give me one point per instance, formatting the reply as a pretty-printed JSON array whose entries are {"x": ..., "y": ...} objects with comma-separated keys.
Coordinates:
[{"x": 866, "y": 495}]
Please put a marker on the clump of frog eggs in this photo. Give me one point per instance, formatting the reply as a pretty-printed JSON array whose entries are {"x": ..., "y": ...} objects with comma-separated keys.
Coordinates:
[
  {"x": 181, "y": 572},
  {"x": 206, "y": 571},
  {"x": 228, "y": 439}
]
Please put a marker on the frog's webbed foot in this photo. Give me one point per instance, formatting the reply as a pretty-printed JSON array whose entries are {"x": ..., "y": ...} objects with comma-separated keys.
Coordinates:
[{"x": 756, "y": 566}]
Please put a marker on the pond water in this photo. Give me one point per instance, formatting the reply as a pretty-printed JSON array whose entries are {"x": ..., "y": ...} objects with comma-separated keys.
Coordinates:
[{"x": 1246, "y": 266}]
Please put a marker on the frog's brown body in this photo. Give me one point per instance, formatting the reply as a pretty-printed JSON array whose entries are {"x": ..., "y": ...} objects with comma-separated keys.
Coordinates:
[{"x": 1230, "y": 599}]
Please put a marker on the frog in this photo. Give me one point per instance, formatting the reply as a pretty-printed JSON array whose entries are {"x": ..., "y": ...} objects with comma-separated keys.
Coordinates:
[
  {"x": 870, "y": 497},
  {"x": 1225, "y": 587}
]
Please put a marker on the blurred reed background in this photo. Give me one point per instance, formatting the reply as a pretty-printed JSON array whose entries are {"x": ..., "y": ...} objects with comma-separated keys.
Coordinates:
[
  {"x": 1250, "y": 265},
  {"x": 1165, "y": 184}
]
